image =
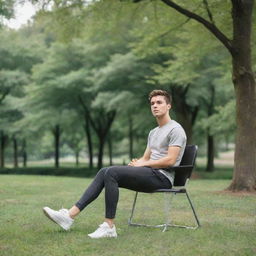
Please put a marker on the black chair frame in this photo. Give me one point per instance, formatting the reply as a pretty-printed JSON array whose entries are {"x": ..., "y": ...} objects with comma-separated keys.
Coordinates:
[{"x": 182, "y": 175}]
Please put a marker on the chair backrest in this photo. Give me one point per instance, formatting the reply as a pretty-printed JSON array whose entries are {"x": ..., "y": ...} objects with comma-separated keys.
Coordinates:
[
  {"x": 189, "y": 156},
  {"x": 183, "y": 172}
]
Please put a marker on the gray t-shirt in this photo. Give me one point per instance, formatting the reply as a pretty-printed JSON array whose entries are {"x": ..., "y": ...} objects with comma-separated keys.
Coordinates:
[{"x": 161, "y": 138}]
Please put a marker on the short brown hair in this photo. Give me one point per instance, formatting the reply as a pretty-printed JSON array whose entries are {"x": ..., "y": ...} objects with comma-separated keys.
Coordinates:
[{"x": 167, "y": 96}]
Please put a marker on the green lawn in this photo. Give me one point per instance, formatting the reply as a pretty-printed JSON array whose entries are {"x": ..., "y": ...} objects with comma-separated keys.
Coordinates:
[{"x": 228, "y": 221}]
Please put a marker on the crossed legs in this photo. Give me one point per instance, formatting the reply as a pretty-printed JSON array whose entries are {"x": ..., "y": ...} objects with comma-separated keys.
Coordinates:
[{"x": 142, "y": 179}]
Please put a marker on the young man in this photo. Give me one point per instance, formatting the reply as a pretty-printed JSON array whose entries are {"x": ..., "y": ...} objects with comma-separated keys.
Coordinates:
[{"x": 166, "y": 144}]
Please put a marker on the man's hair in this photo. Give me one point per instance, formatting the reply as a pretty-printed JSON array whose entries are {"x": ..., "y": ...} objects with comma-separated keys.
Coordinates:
[{"x": 167, "y": 96}]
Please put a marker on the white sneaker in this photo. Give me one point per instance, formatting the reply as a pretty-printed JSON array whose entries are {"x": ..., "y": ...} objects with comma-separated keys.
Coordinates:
[
  {"x": 60, "y": 217},
  {"x": 104, "y": 230}
]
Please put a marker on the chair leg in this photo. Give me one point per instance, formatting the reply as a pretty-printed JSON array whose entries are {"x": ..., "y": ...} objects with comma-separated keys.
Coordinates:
[
  {"x": 193, "y": 209},
  {"x": 133, "y": 208},
  {"x": 167, "y": 207},
  {"x": 167, "y": 211},
  {"x": 194, "y": 213},
  {"x": 131, "y": 223}
]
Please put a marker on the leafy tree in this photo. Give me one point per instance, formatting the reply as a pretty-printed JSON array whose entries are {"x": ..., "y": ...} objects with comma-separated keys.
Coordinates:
[
  {"x": 63, "y": 81},
  {"x": 239, "y": 47},
  {"x": 6, "y": 9},
  {"x": 18, "y": 54},
  {"x": 11, "y": 83}
]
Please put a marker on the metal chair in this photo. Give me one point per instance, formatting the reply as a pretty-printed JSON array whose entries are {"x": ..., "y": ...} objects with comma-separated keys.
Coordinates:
[{"x": 182, "y": 175}]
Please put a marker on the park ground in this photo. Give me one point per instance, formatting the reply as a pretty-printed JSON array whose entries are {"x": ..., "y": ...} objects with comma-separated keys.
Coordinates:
[{"x": 228, "y": 220}]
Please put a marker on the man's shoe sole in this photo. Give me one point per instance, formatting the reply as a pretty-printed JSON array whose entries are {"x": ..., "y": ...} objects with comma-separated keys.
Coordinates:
[{"x": 106, "y": 236}]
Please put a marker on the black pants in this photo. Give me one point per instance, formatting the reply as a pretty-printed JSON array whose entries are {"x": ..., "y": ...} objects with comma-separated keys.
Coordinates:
[{"x": 141, "y": 179}]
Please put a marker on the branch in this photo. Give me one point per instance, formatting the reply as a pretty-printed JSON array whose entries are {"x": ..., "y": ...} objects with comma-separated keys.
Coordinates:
[
  {"x": 208, "y": 11},
  {"x": 86, "y": 111},
  {"x": 194, "y": 114},
  {"x": 175, "y": 28},
  {"x": 186, "y": 89},
  {"x": 110, "y": 118},
  {"x": 211, "y": 27},
  {"x": 4, "y": 95}
]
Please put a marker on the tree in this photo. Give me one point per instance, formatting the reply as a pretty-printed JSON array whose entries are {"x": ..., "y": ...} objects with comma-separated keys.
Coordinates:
[
  {"x": 6, "y": 9},
  {"x": 105, "y": 65},
  {"x": 18, "y": 53},
  {"x": 11, "y": 83},
  {"x": 196, "y": 96},
  {"x": 65, "y": 81},
  {"x": 74, "y": 137},
  {"x": 184, "y": 69},
  {"x": 239, "y": 47}
]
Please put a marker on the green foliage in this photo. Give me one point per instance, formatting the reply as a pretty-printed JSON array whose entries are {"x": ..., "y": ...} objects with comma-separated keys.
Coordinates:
[
  {"x": 18, "y": 52},
  {"x": 11, "y": 82},
  {"x": 223, "y": 121},
  {"x": 107, "y": 56},
  {"x": 6, "y": 9}
]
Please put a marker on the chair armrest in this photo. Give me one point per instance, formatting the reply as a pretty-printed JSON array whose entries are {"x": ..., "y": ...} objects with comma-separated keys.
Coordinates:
[{"x": 179, "y": 167}]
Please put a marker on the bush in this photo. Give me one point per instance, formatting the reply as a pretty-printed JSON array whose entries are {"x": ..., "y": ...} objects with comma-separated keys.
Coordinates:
[
  {"x": 62, "y": 171},
  {"x": 220, "y": 173}
]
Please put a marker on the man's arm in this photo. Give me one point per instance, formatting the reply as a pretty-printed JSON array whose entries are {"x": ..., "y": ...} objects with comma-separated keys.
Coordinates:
[
  {"x": 145, "y": 157},
  {"x": 164, "y": 162}
]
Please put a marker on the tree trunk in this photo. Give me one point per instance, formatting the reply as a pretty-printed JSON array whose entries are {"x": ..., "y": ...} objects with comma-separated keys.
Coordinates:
[
  {"x": 102, "y": 124},
  {"x": 15, "y": 152},
  {"x": 184, "y": 120},
  {"x": 89, "y": 140},
  {"x": 24, "y": 153},
  {"x": 100, "y": 152},
  {"x": 3, "y": 143},
  {"x": 186, "y": 114},
  {"x": 56, "y": 133},
  {"x": 244, "y": 177},
  {"x": 77, "y": 157},
  {"x": 110, "y": 149},
  {"x": 210, "y": 138},
  {"x": 210, "y": 153},
  {"x": 87, "y": 129},
  {"x": 131, "y": 154}
]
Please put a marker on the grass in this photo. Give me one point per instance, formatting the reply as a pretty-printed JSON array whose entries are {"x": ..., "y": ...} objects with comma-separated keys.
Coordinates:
[{"x": 228, "y": 221}]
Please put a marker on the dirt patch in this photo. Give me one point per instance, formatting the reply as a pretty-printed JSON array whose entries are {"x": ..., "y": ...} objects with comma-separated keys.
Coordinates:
[
  {"x": 4, "y": 247},
  {"x": 195, "y": 176},
  {"x": 11, "y": 201}
]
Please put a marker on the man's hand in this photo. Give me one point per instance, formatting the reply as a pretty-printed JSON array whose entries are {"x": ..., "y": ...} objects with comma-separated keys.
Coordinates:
[
  {"x": 137, "y": 162},
  {"x": 133, "y": 161},
  {"x": 163, "y": 162}
]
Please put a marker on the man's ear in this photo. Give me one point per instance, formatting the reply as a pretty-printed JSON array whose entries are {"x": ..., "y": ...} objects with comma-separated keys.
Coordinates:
[{"x": 169, "y": 106}]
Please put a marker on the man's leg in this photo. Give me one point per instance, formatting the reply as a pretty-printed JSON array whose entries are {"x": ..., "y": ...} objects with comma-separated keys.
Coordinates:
[
  {"x": 65, "y": 217},
  {"x": 136, "y": 178},
  {"x": 142, "y": 179},
  {"x": 93, "y": 191}
]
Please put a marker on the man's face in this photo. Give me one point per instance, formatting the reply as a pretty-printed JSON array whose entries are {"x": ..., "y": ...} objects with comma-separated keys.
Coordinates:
[{"x": 159, "y": 107}]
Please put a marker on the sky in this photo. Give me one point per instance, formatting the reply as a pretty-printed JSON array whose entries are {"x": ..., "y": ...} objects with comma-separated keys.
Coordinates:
[{"x": 22, "y": 14}]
